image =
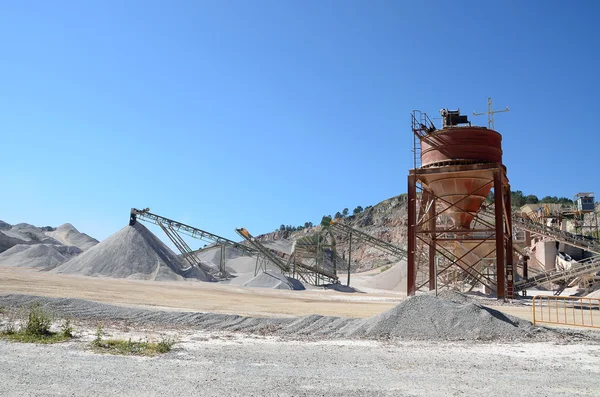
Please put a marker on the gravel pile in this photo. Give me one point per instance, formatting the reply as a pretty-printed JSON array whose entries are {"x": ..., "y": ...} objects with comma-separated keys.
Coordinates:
[
  {"x": 69, "y": 235},
  {"x": 275, "y": 280},
  {"x": 423, "y": 317},
  {"x": 30, "y": 234},
  {"x": 392, "y": 279},
  {"x": 428, "y": 317},
  {"x": 22, "y": 233},
  {"x": 133, "y": 252},
  {"x": 42, "y": 256}
]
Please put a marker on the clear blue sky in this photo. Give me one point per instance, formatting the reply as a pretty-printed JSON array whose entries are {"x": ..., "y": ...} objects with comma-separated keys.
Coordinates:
[{"x": 251, "y": 114}]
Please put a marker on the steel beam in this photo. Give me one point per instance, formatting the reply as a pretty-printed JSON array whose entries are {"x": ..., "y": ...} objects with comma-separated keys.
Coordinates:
[
  {"x": 432, "y": 244},
  {"x": 412, "y": 235},
  {"x": 499, "y": 219}
]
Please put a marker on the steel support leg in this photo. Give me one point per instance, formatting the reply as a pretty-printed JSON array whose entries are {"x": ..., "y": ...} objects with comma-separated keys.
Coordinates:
[
  {"x": 432, "y": 245},
  {"x": 510, "y": 270},
  {"x": 412, "y": 235},
  {"x": 499, "y": 219},
  {"x": 349, "y": 258}
]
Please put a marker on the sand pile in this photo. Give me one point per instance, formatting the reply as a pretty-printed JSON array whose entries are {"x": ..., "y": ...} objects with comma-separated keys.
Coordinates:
[
  {"x": 211, "y": 258},
  {"x": 241, "y": 269},
  {"x": 43, "y": 256},
  {"x": 67, "y": 234},
  {"x": 30, "y": 234},
  {"x": 275, "y": 280},
  {"x": 133, "y": 252},
  {"x": 7, "y": 241},
  {"x": 22, "y": 233},
  {"x": 392, "y": 279}
]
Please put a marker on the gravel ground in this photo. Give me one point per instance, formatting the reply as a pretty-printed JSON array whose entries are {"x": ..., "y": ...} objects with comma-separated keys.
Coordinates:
[
  {"x": 257, "y": 366},
  {"x": 421, "y": 317}
]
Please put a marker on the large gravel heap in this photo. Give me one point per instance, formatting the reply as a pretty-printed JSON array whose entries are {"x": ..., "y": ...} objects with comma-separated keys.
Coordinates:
[
  {"x": 133, "y": 252},
  {"x": 43, "y": 256},
  {"x": 423, "y": 317},
  {"x": 275, "y": 280},
  {"x": 22, "y": 233},
  {"x": 428, "y": 317},
  {"x": 69, "y": 235}
]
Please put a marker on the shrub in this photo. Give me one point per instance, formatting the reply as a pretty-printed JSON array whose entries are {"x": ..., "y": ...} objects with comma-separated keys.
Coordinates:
[
  {"x": 38, "y": 321},
  {"x": 35, "y": 327}
]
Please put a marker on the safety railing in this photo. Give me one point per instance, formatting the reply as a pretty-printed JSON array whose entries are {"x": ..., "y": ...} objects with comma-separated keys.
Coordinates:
[{"x": 566, "y": 310}]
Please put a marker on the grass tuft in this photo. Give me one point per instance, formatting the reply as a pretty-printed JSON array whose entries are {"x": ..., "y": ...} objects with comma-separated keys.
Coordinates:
[
  {"x": 129, "y": 347},
  {"x": 36, "y": 328},
  {"x": 133, "y": 348}
]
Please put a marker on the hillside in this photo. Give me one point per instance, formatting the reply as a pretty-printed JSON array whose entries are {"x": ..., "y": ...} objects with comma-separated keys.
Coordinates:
[{"x": 387, "y": 221}]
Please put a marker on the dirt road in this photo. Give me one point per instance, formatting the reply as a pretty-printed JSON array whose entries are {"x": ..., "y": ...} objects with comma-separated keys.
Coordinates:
[{"x": 195, "y": 296}]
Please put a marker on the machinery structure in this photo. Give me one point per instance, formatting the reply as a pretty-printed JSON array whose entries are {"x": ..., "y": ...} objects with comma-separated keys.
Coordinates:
[
  {"x": 290, "y": 264},
  {"x": 173, "y": 229},
  {"x": 328, "y": 223},
  {"x": 536, "y": 226},
  {"x": 455, "y": 168}
]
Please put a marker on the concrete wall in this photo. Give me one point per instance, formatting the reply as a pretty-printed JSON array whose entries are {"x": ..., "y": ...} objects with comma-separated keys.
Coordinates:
[{"x": 545, "y": 252}]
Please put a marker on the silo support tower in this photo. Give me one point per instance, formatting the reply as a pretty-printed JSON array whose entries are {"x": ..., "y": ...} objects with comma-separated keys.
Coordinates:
[
  {"x": 455, "y": 169},
  {"x": 480, "y": 242}
]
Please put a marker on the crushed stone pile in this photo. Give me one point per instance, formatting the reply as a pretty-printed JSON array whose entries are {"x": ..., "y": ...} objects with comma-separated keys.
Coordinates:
[
  {"x": 133, "y": 252},
  {"x": 7, "y": 241},
  {"x": 22, "y": 233},
  {"x": 42, "y": 256},
  {"x": 392, "y": 279},
  {"x": 422, "y": 317},
  {"x": 275, "y": 280},
  {"x": 453, "y": 296},
  {"x": 30, "y": 234},
  {"x": 4, "y": 225},
  {"x": 428, "y": 317},
  {"x": 67, "y": 234},
  {"x": 210, "y": 258},
  {"x": 241, "y": 267}
]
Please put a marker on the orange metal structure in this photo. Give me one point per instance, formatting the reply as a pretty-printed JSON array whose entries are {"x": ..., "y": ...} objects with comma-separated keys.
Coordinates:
[{"x": 456, "y": 167}]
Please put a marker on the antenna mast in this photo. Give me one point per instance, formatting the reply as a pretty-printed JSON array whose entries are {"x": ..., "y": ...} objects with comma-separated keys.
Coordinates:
[{"x": 490, "y": 114}]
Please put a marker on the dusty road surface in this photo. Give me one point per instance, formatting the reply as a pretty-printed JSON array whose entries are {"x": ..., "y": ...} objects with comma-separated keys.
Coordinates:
[
  {"x": 196, "y": 296},
  {"x": 217, "y": 363},
  {"x": 242, "y": 366}
]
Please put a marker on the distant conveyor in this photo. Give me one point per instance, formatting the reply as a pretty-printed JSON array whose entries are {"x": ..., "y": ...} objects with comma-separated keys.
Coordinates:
[
  {"x": 391, "y": 249},
  {"x": 283, "y": 266},
  {"x": 585, "y": 266},
  {"x": 584, "y": 243},
  {"x": 172, "y": 229},
  {"x": 186, "y": 229},
  {"x": 523, "y": 222}
]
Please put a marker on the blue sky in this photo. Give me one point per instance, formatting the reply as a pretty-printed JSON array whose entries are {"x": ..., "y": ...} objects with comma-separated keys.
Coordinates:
[{"x": 252, "y": 114}]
